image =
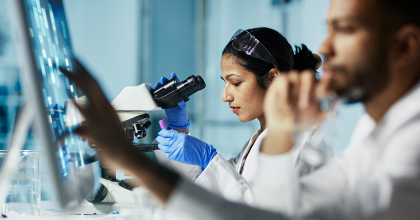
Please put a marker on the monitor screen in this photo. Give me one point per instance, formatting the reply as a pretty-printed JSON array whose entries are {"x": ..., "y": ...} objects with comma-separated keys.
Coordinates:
[{"x": 50, "y": 39}]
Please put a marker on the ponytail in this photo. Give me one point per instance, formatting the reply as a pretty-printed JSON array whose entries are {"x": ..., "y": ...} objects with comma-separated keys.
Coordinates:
[{"x": 303, "y": 59}]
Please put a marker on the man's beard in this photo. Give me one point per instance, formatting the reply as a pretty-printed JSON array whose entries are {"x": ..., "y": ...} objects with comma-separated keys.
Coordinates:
[{"x": 370, "y": 77}]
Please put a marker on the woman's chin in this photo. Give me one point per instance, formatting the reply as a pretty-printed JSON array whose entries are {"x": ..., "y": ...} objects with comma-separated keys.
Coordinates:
[{"x": 244, "y": 119}]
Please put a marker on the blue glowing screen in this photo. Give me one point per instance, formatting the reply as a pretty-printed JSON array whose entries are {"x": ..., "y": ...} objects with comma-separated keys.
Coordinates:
[{"x": 52, "y": 48}]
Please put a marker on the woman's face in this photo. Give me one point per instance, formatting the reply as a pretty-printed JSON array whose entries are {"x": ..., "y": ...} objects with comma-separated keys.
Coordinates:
[{"x": 242, "y": 92}]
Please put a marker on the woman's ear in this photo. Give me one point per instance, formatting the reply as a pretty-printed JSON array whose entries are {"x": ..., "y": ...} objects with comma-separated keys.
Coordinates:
[{"x": 272, "y": 75}]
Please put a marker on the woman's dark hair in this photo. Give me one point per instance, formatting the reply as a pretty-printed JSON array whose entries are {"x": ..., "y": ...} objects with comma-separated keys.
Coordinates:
[{"x": 280, "y": 49}]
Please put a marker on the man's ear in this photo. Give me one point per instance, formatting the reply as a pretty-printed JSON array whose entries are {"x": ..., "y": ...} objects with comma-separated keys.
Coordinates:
[
  {"x": 272, "y": 75},
  {"x": 407, "y": 46}
]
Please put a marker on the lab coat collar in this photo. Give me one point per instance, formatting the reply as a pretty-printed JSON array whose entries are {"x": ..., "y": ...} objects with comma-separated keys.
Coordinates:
[
  {"x": 401, "y": 113},
  {"x": 250, "y": 167}
]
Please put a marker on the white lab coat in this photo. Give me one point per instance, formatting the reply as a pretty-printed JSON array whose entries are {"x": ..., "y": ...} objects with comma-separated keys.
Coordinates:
[
  {"x": 187, "y": 171},
  {"x": 222, "y": 177},
  {"x": 378, "y": 176}
]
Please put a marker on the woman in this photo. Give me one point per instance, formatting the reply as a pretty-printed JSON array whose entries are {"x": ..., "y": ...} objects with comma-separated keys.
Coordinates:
[{"x": 250, "y": 62}]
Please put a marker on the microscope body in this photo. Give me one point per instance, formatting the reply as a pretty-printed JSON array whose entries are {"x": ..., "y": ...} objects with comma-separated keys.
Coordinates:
[{"x": 131, "y": 106}]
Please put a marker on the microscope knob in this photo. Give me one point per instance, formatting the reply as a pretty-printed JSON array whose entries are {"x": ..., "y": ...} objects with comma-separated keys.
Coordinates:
[
  {"x": 99, "y": 196},
  {"x": 147, "y": 124},
  {"x": 139, "y": 131},
  {"x": 125, "y": 185}
]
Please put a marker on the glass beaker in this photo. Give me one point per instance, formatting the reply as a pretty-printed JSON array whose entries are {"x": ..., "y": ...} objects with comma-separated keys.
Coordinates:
[{"x": 24, "y": 196}]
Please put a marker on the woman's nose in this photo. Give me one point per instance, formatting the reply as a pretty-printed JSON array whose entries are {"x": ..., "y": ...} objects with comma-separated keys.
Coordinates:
[{"x": 226, "y": 96}]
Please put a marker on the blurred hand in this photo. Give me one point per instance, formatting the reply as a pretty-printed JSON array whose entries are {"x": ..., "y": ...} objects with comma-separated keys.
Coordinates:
[
  {"x": 102, "y": 125},
  {"x": 291, "y": 105}
]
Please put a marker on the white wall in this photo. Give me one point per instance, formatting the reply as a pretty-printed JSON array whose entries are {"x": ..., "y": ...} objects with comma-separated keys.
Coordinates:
[
  {"x": 300, "y": 21},
  {"x": 306, "y": 22},
  {"x": 105, "y": 36},
  {"x": 106, "y": 33},
  {"x": 223, "y": 18}
]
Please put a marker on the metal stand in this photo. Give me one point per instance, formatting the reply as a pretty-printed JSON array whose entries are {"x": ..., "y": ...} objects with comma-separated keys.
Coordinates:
[{"x": 20, "y": 132}]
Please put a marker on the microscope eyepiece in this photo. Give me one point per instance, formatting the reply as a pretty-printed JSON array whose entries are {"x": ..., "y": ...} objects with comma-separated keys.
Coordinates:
[{"x": 169, "y": 94}]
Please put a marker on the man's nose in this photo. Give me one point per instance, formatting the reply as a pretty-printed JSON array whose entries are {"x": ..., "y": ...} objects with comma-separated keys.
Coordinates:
[{"x": 326, "y": 48}]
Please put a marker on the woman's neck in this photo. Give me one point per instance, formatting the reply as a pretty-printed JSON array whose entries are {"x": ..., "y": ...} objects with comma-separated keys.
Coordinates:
[{"x": 262, "y": 122}]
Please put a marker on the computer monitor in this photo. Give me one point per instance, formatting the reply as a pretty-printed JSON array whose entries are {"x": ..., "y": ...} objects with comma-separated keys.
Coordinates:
[{"x": 43, "y": 42}]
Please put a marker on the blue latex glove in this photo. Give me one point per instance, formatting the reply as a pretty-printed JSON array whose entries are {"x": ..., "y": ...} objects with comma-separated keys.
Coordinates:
[
  {"x": 184, "y": 148},
  {"x": 178, "y": 116}
]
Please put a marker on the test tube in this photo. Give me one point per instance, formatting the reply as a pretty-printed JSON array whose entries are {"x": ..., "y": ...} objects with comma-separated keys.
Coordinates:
[{"x": 163, "y": 124}]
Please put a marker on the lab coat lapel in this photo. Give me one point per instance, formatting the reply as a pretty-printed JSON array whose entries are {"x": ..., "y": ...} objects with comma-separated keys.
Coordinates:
[
  {"x": 250, "y": 166},
  {"x": 249, "y": 144}
]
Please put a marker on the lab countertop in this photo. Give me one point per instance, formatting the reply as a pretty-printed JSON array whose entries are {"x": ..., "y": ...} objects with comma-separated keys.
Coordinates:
[
  {"x": 49, "y": 211},
  {"x": 51, "y": 208},
  {"x": 12, "y": 216}
]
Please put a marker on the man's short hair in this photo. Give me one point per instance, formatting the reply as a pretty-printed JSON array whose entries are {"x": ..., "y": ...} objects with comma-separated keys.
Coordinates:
[{"x": 402, "y": 12}]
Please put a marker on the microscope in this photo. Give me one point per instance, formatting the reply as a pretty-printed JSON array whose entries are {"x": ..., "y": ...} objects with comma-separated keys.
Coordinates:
[
  {"x": 132, "y": 106},
  {"x": 133, "y": 102}
]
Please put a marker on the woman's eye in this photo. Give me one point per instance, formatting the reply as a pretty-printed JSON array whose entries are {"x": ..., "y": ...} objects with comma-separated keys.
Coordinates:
[{"x": 236, "y": 84}]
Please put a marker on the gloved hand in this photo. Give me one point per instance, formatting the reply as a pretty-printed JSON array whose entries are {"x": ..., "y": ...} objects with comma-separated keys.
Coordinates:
[
  {"x": 184, "y": 148},
  {"x": 178, "y": 116}
]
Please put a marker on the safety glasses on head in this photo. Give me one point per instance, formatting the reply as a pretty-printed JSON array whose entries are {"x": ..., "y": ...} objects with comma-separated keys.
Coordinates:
[{"x": 244, "y": 41}]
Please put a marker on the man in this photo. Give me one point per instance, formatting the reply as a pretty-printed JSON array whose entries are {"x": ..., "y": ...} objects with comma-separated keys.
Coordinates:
[{"x": 372, "y": 45}]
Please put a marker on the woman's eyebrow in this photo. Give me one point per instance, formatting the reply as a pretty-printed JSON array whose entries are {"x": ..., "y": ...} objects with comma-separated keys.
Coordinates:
[{"x": 228, "y": 76}]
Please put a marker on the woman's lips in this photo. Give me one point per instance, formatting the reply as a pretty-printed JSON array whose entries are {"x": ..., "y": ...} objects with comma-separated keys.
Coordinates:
[{"x": 235, "y": 109}]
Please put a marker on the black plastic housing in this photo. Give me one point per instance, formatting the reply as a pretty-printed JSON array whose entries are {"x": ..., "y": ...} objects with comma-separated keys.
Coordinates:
[{"x": 169, "y": 94}]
